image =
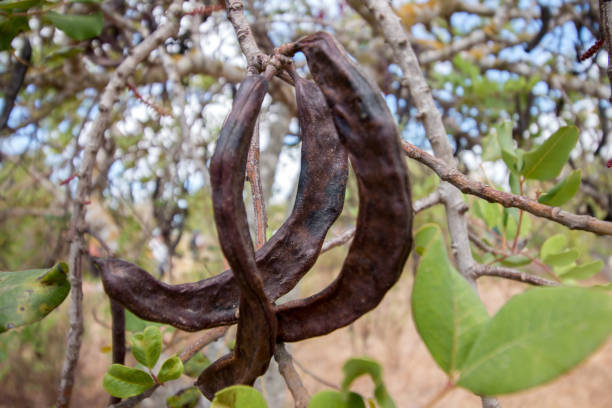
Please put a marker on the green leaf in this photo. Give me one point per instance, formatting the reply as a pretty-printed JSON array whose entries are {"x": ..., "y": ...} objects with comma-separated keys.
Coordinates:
[
  {"x": 516, "y": 260},
  {"x": 28, "y": 296},
  {"x": 546, "y": 161},
  {"x": 447, "y": 311},
  {"x": 553, "y": 245},
  {"x": 10, "y": 28},
  {"x": 490, "y": 213},
  {"x": 186, "y": 398},
  {"x": 170, "y": 370},
  {"x": 561, "y": 258},
  {"x": 76, "y": 26},
  {"x": 563, "y": 191},
  {"x": 356, "y": 367},
  {"x": 121, "y": 381},
  {"x": 238, "y": 396},
  {"x": 134, "y": 323},
  {"x": 146, "y": 346},
  {"x": 18, "y": 5},
  {"x": 584, "y": 271},
  {"x": 195, "y": 365},
  {"x": 335, "y": 399},
  {"x": 535, "y": 337},
  {"x": 515, "y": 185}
]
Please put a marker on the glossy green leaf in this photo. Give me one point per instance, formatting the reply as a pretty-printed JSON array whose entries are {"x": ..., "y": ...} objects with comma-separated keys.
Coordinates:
[
  {"x": 18, "y": 5},
  {"x": 170, "y": 370},
  {"x": 356, "y": 367},
  {"x": 146, "y": 346},
  {"x": 76, "y": 26},
  {"x": 134, "y": 323},
  {"x": 10, "y": 28},
  {"x": 195, "y": 365},
  {"x": 447, "y": 311},
  {"x": 535, "y": 337},
  {"x": 563, "y": 191},
  {"x": 28, "y": 296},
  {"x": 516, "y": 260},
  {"x": 335, "y": 399},
  {"x": 546, "y": 161},
  {"x": 238, "y": 396},
  {"x": 584, "y": 271},
  {"x": 562, "y": 258},
  {"x": 553, "y": 245},
  {"x": 121, "y": 381},
  {"x": 186, "y": 398}
]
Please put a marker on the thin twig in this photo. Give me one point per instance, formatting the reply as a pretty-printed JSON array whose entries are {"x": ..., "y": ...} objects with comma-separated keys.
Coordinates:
[
  {"x": 78, "y": 226},
  {"x": 478, "y": 189},
  {"x": 315, "y": 376},
  {"x": 509, "y": 273},
  {"x": 292, "y": 378}
]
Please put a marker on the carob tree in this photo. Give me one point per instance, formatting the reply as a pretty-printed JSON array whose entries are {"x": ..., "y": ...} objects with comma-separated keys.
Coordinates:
[{"x": 340, "y": 112}]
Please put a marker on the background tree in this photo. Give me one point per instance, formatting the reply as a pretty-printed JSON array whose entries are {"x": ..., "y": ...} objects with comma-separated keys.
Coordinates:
[{"x": 111, "y": 111}]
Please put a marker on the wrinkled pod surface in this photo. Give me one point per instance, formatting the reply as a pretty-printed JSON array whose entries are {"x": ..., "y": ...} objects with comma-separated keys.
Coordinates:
[
  {"x": 281, "y": 262},
  {"x": 257, "y": 326},
  {"x": 383, "y": 237}
]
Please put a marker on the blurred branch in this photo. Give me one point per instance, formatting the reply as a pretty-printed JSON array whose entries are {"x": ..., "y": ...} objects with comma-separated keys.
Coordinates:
[
  {"x": 95, "y": 139},
  {"x": 509, "y": 273},
  {"x": 292, "y": 378}
]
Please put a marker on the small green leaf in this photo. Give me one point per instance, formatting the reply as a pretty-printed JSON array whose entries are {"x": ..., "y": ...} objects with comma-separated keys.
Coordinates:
[
  {"x": 146, "y": 346},
  {"x": 28, "y": 296},
  {"x": 553, "y": 245},
  {"x": 561, "y": 258},
  {"x": 134, "y": 323},
  {"x": 18, "y": 5},
  {"x": 170, "y": 370},
  {"x": 238, "y": 396},
  {"x": 335, "y": 399},
  {"x": 121, "y": 381},
  {"x": 516, "y": 260},
  {"x": 356, "y": 367},
  {"x": 76, "y": 26},
  {"x": 195, "y": 365},
  {"x": 186, "y": 398},
  {"x": 447, "y": 311},
  {"x": 535, "y": 337},
  {"x": 563, "y": 191},
  {"x": 585, "y": 271},
  {"x": 546, "y": 161}
]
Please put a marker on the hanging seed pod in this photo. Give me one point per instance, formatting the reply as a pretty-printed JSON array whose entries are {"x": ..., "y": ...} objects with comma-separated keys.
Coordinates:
[
  {"x": 255, "y": 338},
  {"x": 282, "y": 261},
  {"x": 383, "y": 236}
]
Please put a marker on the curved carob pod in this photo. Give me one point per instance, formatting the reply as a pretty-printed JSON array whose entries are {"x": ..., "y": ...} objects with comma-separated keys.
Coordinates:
[
  {"x": 281, "y": 262},
  {"x": 383, "y": 237},
  {"x": 256, "y": 335}
]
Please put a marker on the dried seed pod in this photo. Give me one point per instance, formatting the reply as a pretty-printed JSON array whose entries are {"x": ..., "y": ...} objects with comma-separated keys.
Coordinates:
[
  {"x": 383, "y": 237},
  {"x": 257, "y": 324},
  {"x": 282, "y": 261}
]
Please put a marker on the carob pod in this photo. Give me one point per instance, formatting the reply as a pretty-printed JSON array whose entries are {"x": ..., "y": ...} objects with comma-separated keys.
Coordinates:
[
  {"x": 383, "y": 236},
  {"x": 255, "y": 338},
  {"x": 281, "y": 262}
]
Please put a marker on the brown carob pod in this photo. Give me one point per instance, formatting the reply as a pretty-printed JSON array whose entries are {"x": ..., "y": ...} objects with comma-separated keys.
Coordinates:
[
  {"x": 255, "y": 338},
  {"x": 281, "y": 262},
  {"x": 383, "y": 237}
]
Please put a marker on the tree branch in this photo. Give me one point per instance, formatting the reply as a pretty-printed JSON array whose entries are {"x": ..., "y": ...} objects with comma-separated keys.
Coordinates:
[
  {"x": 95, "y": 138},
  {"x": 509, "y": 273},
  {"x": 478, "y": 189},
  {"x": 292, "y": 378}
]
